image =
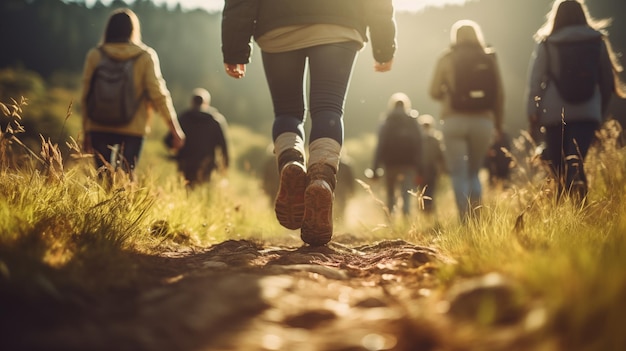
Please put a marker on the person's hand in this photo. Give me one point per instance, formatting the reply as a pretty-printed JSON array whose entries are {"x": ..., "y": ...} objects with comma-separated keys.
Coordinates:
[
  {"x": 235, "y": 70},
  {"x": 383, "y": 66},
  {"x": 178, "y": 140}
]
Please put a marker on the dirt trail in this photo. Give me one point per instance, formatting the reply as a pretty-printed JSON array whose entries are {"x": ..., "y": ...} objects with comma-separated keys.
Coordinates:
[{"x": 241, "y": 295}]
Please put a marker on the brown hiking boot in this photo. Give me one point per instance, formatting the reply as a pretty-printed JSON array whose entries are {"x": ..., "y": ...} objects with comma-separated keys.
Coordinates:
[
  {"x": 317, "y": 225},
  {"x": 289, "y": 204}
]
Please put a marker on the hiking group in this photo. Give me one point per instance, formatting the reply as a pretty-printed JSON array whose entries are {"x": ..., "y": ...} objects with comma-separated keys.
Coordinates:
[{"x": 573, "y": 74}]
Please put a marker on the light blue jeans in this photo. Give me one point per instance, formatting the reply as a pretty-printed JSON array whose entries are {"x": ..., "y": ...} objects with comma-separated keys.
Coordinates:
[{"x": 466, "y": 141}]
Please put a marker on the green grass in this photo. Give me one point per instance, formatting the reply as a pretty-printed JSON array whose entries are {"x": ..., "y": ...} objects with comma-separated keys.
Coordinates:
[{"x": 59, "y": 225}]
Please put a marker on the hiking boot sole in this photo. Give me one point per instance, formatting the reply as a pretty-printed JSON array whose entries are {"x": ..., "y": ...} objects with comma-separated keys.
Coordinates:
[
  {"x": 289, "y": 204},
  {"x": 317, "y": 226}
]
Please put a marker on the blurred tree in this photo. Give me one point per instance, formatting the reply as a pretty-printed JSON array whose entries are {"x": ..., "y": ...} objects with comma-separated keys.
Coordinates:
[{"x": 51, "y": 36}]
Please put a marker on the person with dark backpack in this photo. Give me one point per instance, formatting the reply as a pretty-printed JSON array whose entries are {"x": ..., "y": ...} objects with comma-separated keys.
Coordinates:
[
  {"x": 121, "y": 86},
  {"x": 398, "y": 153},
  {"x": 572, "y": 77},
  {"x": 206, "y": 138},
  {"x": 468, "y": 84}
]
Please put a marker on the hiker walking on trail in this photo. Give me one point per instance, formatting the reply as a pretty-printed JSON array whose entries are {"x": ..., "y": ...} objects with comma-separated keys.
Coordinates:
[
  {"x": 433, "y": 162},
  {"x": 467, "y": 82},
  {"x": 572, "y": 76},
  {"x": 206, "y": 134},
  {"x": 116, "y": 137},
  {"x": 398, "y": 153},
  {"x": 321, "y": 38}
]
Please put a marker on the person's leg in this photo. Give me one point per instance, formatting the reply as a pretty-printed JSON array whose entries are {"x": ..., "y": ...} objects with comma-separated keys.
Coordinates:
[
  {"x": 553, "y": 154},
  {"x": 406, "y": 185},
  {"x": 330, "y": 71},
  {"x": 129, "y": 150},
  {"x": 391, "y": 179},
  {"x": 285, "y": 77},
  {"x": 454, "y": 132},
  {"x": 479, "y": 137},
  {"x": 101, "y": 144},
  {"x": 580, "y": 135},
  {"x": 113, "y": 151},
  {"x": 285, "y": 73}
]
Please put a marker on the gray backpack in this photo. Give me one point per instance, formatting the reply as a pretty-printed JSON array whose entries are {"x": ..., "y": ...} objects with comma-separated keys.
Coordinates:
[{"x": 111, "y": 98}]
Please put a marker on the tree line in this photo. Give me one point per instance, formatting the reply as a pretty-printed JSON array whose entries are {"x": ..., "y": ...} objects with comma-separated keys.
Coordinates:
[{"x": 52, "y": 37}]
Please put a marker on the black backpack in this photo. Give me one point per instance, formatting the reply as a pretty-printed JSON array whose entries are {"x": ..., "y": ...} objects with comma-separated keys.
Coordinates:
[
  {"x": 475, "y": 79},
  {"x": 111, "y": 99},
  {"x": 579, "y": 63}
]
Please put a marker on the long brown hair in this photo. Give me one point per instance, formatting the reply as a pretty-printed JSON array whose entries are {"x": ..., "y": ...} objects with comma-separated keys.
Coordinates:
[
  {"x": 122, "y": 27},
  {"x": 569, "y": 13},
  {"x": 466, "y": 32}
]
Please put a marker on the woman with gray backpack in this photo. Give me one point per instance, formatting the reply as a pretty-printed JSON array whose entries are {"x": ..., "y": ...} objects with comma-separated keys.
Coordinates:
[
  {"x": 121, "y": 86},
  {"x": 572, "y": 77}
]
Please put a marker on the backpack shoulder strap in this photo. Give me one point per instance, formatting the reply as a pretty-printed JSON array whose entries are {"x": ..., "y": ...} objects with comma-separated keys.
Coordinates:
[{"x": 544, "y": 42}]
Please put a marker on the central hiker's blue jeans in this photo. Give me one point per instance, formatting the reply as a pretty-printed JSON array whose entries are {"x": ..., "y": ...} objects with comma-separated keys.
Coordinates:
[
  {"x": 330, "y": 69},
  {"x": 466, "y": 141}
]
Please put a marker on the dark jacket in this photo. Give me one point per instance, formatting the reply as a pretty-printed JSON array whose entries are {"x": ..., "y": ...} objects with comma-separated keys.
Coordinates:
[
  {"x": 244, "y": 19},
  {"x": 205, "y": 132},
  {"x": 543, "y": 98},
  {"x": 399, "y": 142}
]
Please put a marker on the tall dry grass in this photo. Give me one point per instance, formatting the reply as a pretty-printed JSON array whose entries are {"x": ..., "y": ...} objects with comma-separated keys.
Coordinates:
[{"x": 61, "y": 227}]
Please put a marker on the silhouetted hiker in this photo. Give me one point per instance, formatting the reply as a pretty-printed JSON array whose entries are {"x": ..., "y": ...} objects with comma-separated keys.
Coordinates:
[
  {"x": 433, "y": 162},
  {"x": 399, "y": 151},
  {"x": 572, "y": 77},
  {"x": 323, "y": 36},
  {"x": 467, "y": 82},
  {"x": 206, "y": 131},
  {"x": 120, "y": 144}
]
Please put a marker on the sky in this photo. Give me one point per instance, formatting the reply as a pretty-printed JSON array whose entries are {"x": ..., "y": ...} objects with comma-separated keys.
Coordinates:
[{"x": 216, "y": 5}]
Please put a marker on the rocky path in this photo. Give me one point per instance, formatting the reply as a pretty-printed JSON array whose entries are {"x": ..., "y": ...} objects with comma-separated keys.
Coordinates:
[{"x": 241, "y": 295}]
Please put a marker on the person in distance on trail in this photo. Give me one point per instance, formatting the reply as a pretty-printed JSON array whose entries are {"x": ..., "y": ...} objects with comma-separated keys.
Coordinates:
[
  {"x": 569, "y": 121},
  {"x": 433, "y": 162},
  {"x": 205, "y": 129},
  {"x": 122, "y": 41},
  {"x": 468, "y": 84},
  {"x": 398, "y": 153},
  {"x": 323, "y": 36}
]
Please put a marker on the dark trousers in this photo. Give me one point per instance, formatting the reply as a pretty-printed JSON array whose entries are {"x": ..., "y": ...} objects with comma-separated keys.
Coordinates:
[
  {"x": 330, "y": 69},
  {"x": 566, "y": 148},
  {"x": 116, "y": 150}
]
